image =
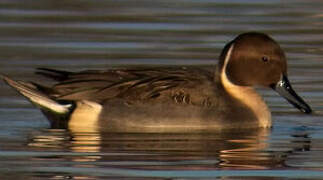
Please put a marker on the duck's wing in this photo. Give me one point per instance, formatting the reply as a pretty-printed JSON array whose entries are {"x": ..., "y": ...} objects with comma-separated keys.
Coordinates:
[{"x": 130, "y": 84}]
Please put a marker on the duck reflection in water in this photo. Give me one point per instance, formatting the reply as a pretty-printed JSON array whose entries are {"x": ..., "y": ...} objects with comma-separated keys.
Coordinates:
[{"x": 241, "y": 150}]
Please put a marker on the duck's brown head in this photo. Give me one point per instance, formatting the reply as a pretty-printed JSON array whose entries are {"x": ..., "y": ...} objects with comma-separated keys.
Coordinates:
[{"x": 255, "y": 59}]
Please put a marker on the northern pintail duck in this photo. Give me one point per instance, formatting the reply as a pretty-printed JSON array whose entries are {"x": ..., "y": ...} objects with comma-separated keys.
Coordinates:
[{"x": 169, "y": 99}]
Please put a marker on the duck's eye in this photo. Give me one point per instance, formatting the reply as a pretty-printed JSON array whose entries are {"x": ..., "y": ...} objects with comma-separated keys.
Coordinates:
[{"x": 265, "y": 58}]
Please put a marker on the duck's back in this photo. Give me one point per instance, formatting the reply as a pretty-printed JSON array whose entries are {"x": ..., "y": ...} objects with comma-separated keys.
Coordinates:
[{"x": 178, "y": 85}]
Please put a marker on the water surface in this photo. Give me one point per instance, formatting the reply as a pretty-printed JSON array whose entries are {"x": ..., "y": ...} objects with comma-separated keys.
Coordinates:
[{"x": 77, "y": 35}]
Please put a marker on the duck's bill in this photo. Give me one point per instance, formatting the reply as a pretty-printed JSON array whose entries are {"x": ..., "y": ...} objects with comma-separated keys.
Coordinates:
[{"x": 284, "y": 88}]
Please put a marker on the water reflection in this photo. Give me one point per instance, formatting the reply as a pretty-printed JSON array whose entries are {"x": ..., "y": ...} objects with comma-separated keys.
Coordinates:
[{"x": 240, "y": 150}]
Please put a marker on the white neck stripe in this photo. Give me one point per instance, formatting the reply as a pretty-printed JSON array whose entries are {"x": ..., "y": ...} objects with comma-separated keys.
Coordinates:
[{"x": 226, "y": 60}]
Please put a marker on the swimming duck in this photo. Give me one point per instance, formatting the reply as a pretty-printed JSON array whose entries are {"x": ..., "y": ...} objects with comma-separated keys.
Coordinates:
[{"x": 169, "y": 99}]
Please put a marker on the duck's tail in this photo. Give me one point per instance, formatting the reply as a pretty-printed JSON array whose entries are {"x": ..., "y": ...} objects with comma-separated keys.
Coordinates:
[{"x": 56, "y": 109}]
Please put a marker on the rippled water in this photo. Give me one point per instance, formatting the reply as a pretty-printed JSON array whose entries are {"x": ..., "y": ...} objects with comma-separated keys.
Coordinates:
[{"x": 87, "y": 34}]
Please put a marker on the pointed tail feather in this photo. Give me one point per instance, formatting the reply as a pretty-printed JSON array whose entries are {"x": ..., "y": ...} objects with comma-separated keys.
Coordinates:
[{"x": 37, "y": 97}]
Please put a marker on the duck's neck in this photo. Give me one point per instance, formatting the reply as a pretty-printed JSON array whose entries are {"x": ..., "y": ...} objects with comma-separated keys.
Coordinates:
[{"x": 246, "y": 95}]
